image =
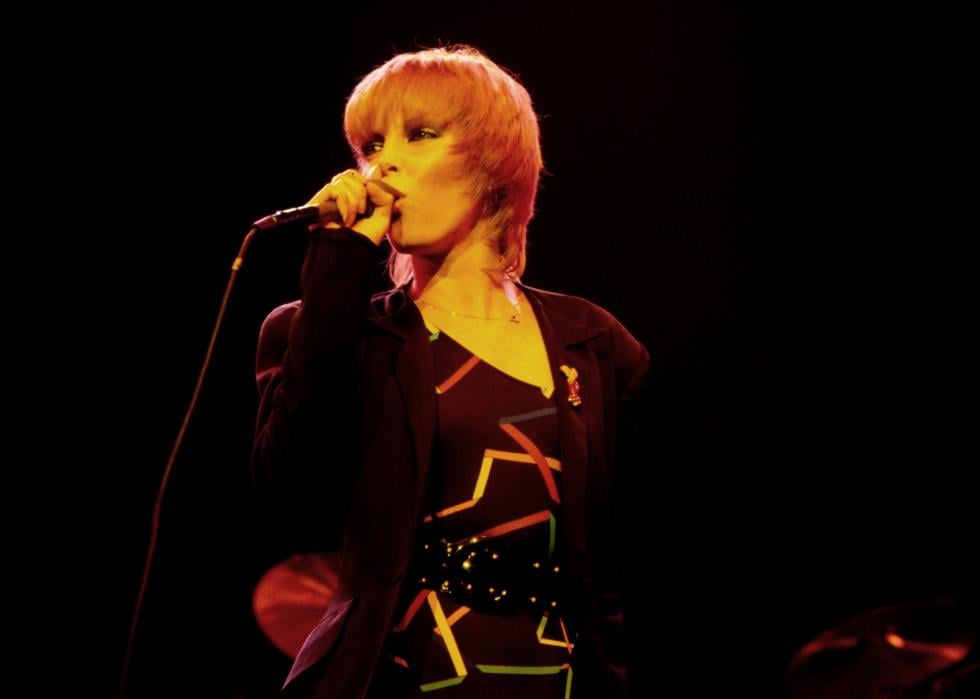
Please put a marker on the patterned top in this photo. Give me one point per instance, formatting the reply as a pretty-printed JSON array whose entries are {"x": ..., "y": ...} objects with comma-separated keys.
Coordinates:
[{"x": 494, "y": 495}]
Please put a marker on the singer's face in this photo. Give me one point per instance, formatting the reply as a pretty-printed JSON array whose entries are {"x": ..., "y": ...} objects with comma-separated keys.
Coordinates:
[{"x": 416, "y": 155}]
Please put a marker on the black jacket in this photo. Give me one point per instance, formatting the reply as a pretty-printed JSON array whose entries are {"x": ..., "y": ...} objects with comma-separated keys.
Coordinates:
[{"x": 348, "y": 412}]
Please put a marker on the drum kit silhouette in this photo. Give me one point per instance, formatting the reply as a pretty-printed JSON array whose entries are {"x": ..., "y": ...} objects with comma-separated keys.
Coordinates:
[{"x": 923, "y": 650}]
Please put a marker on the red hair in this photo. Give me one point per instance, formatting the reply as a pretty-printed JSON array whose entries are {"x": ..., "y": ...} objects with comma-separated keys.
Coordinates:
[{"x": 498, "y": 134}]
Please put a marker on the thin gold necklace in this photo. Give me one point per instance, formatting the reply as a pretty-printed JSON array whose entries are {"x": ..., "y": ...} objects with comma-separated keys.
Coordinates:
[{"x": 515, "y": 318}]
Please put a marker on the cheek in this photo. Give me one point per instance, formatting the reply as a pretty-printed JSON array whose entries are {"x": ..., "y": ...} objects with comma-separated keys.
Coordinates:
[
  {"x": 448, "y": 170},
  {"x": 457, "y": 193},
  {"x": 447, "y": 187}
]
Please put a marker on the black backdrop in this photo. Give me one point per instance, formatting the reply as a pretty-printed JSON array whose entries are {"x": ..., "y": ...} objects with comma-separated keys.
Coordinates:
[{"x": 711, "y": 181}]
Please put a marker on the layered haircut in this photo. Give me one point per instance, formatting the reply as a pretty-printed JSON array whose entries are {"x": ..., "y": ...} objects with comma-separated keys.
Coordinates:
[{"x": 497, "y": 131}]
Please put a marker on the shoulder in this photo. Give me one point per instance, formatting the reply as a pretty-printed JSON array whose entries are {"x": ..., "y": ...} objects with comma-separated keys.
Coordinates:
[
  {"x": 279, "y": 319},
  {"x": 274, "y": 333},
  {"x": 275, "y": 327},
  {"x": 629, "y": 355},
  {"x": 577, "y": 309}
]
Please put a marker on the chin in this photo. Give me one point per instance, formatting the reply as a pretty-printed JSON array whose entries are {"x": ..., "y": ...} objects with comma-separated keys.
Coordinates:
[{"x": 405, "y": 244}]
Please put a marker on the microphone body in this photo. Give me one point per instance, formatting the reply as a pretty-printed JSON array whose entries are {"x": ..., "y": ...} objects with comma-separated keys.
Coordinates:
[{"x": 307, "y": 215}]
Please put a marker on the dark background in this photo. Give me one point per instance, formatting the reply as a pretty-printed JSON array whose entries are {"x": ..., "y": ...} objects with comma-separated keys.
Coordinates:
[{"x": 723, "y": 179}]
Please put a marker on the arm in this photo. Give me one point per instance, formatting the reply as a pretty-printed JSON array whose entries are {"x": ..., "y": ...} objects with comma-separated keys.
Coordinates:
[
  {"x": 631, "y": 369},
  {"x": 307, "y": 445},
  {"x": 633, "y": 428}
]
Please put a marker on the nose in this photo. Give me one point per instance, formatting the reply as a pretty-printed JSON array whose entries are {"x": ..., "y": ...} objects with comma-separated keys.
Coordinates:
[
  {"x": 390, "y": 157},
  {"x": 386, "y": 166}
]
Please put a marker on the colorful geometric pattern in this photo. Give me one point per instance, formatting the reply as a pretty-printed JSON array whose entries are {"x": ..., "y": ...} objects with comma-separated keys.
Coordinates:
[{"x": 495, "y": 480}]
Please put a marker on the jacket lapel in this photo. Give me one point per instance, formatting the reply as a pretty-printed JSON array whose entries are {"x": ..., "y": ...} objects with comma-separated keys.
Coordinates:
[
  {"x": 396, "y": 315},
  {"x": 567, "y": 344}
]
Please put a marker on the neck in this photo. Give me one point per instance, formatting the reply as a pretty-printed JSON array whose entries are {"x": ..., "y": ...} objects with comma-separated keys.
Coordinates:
[{"x": 458, "y": 280}]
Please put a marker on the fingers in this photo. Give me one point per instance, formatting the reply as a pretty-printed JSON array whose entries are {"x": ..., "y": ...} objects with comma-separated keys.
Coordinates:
[
  {"x": 376, "y": 226},
  {"x": 347, "y": 190},
  {"x": 351, "y": 191},
  {"x": 351, "y": 195},
  {"x": 380, "y": 196}
]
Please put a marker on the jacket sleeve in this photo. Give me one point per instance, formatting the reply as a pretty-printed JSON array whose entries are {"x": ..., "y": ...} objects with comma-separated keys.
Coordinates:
[
  {"x": 606, "y": 672},
  {"x": 307, "y": 447},
  {"x": 632, "y": 365},
  {"x": 633, "y": 432}
]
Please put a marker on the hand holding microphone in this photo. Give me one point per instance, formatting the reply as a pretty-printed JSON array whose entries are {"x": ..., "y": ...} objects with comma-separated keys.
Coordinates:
[{"x": 350, "y": 199}]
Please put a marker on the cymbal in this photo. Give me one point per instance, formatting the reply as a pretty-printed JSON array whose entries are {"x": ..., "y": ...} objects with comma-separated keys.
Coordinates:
[
  {"x": 290, "y": 599},
  {"x": 891, "y": 647}
]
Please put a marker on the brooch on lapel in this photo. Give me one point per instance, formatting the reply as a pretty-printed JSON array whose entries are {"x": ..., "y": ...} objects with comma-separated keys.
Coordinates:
[{"x": 571, "y": 376}]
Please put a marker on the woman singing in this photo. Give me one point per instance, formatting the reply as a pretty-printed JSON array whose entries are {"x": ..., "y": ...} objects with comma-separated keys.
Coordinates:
[{"x": 458, "y": 432}]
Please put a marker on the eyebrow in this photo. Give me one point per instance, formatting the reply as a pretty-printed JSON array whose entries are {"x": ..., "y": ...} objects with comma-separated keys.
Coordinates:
[{"x": 410, "y": 122}]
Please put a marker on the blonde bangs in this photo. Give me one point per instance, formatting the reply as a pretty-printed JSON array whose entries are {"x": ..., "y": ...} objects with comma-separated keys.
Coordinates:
[{"x": 412, "y": 90}]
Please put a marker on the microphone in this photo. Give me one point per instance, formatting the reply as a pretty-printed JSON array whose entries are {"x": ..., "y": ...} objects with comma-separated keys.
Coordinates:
[
  {"x": 308, "y": 215},
  {"x": 327, "y": 211}
]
